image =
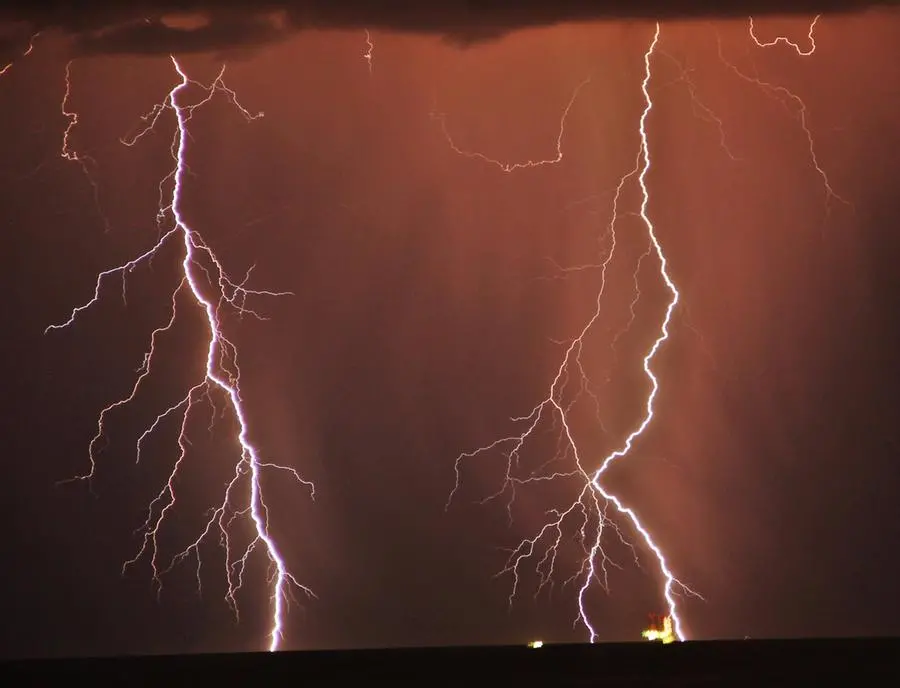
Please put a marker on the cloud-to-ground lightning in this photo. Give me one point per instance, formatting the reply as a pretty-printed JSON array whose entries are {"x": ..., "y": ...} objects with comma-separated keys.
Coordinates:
[
  {"x": 590, "y": 509},
  {"x": 589, "y": 514},
  {"x": 593, "y": 514},
  {"x": 205, "y": 283}
]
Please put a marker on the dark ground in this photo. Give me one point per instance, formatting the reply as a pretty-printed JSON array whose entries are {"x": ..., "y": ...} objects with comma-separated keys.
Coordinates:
[{"x": 742, "y": 663}]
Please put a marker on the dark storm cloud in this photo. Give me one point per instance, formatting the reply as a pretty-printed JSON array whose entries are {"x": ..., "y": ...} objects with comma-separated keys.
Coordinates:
[{"x": 138, "y": 27}]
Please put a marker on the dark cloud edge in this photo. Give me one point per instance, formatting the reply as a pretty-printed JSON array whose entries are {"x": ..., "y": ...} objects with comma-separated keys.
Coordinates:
[{"x": 108, "y": 27}]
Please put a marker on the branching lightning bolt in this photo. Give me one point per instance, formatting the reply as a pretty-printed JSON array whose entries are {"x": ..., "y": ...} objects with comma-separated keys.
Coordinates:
[
  {"x": 589, "y": 511},
  {"x": 510, "y": 167},
  {"x": 701, "y": 110},
  {"x": 202, "y": 274},
  {"x": 67, "y": 153},
  {"x": 785, "y": 96},
  {"x": 669, "y": 586},
  {"x": 787, "y": 41}
]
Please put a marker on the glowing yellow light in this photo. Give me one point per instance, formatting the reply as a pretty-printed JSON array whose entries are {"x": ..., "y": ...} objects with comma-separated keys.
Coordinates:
[
  {"x": 666, "y": 635},
  {"x": 535, "y": 644}
]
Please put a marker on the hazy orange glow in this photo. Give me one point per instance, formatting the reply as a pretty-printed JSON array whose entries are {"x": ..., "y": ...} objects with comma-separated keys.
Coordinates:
[
  {"x": 664, "y": 634},
  {"x": 433, "y": 296}
]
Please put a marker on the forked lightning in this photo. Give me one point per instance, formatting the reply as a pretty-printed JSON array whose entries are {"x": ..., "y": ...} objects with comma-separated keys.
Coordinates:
[
  {"x": 588, "y": 514},
  {"x": 202, "y": 275}
]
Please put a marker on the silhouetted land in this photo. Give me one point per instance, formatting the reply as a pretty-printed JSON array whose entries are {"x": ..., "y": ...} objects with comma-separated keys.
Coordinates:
[{"x": 733, "y": 663}]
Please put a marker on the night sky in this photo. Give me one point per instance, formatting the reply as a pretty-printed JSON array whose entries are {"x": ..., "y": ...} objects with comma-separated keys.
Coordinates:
[{"x": 430, "y": 297}]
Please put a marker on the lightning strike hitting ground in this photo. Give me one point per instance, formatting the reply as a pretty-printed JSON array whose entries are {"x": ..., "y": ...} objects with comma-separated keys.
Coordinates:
[
  {"x": 660, "y": 633},
  {"x": 242, "y": 499},
  {"x": 589, "y": 511},
  {"x": 671, "y": 582}
]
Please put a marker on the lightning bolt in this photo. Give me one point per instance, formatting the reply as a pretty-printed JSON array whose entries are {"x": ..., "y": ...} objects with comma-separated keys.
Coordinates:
[
  {"x": 595, "y": 507},
  {"x": 671, "y": 582},
  {"x": 589, "y": 512},
  {"x": 787, "y": 41},
  {"x": 370, "y": 49},
  {"x": 793, "y": 103},
  {"x": 67, "y": 153},
  {"x": 700, "y": 109},
  {"x": 25, "y": 53},
  {"x": 511, "y": 167},
  {"x": 204, "y": 283},
  {"x": 635, "y": 277}
]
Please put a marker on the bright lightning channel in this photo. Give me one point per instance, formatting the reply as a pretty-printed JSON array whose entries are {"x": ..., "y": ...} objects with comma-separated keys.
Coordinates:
[
  {"x": 670, "y": 581},
  {"x": 591, "y": 505},
  {"x": 201, "y": 273}
]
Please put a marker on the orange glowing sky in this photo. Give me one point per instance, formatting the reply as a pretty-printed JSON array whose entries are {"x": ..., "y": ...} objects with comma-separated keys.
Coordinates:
[{"x": 427, "y": 301}]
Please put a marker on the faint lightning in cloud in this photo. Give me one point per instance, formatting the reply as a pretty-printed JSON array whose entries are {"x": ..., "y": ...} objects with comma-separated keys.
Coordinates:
[
  {"x": 370, "y": 49},
  {"x": 795, "y": 106},
  {"x": 634, "y": 301},
  {"x": 700, "y": 109},
  {"x": 510, "y": 167}
]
